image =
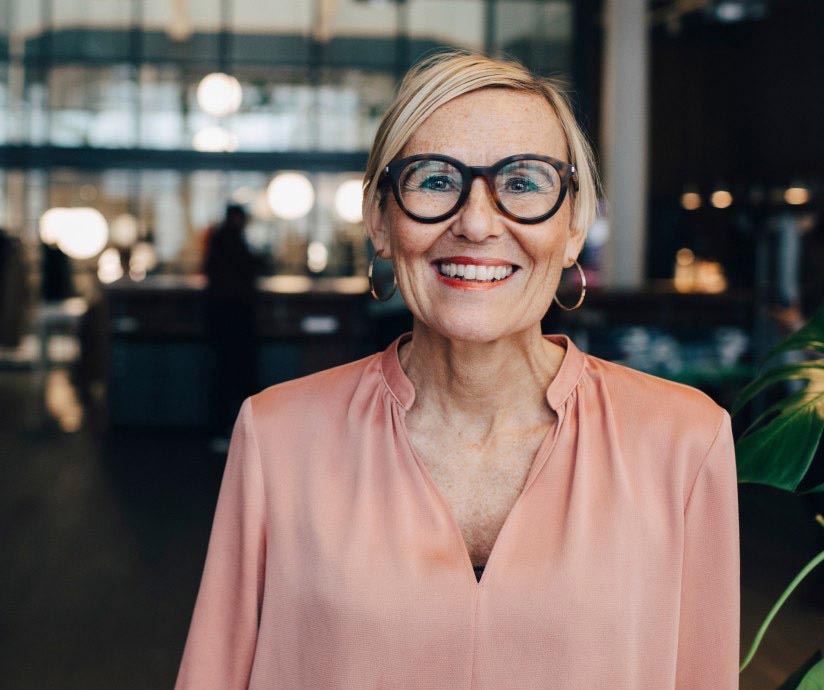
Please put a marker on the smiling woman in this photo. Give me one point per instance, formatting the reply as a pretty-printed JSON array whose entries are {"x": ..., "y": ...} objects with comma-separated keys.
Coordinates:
[
  {"x": 505, "y": 130},
  {"x": 480, "y": 505}
]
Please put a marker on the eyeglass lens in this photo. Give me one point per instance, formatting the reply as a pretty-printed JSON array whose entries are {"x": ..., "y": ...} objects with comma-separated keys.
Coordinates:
[{"x": 526, "y": 188}]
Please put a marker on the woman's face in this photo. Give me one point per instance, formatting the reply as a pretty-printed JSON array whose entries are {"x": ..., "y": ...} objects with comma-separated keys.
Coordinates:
[{"x": 481, "y": 128}]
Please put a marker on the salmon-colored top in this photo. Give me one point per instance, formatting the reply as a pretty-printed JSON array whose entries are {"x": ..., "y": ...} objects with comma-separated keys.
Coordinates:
[{"x": 335, "y": 563}]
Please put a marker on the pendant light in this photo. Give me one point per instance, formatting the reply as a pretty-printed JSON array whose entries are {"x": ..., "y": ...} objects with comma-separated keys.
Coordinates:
[{"x": 220, "y": 93}]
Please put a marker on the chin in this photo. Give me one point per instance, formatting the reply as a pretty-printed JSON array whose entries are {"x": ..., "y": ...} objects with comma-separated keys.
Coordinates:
[{"x": 483, "y": 330}]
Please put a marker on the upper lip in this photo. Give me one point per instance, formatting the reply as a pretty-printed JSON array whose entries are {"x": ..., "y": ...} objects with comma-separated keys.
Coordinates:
[{"x": 471, "y": 260}]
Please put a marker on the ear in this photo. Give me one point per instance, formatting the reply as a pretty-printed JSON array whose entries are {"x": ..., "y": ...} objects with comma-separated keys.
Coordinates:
[
  {"x": 379, "y": 231},
  {"x": 574, "y": 245}
]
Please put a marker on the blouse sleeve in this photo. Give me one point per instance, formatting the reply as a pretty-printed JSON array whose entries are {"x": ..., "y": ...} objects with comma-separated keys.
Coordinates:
[
  {"x": 709, "y": 623},
  {"x": 223, "y": 633}
]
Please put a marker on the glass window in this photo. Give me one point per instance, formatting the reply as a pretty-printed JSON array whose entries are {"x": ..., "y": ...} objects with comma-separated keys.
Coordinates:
[
  {"x": 161, "y": 125},
  {"x": 537, "y": 33},
  {"x": 5, "y": 108},
  {"x": 273, "y": 17},
  {"x": 92, "y": 106},
  {"x": 89, "y": 13},
  {"x": 452, "y": 22},
  {"x": 357, "y": 18},
  {"x": 94, "y": 93}
]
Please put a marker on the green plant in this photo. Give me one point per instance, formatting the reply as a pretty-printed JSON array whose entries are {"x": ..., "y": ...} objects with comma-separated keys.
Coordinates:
[{"x": 778, "y": 448}]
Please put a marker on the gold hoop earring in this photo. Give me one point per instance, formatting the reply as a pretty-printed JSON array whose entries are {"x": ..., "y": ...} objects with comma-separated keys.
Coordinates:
[
  {"x": 583, "y": 290},
  {"x": 372, "y": 284}
]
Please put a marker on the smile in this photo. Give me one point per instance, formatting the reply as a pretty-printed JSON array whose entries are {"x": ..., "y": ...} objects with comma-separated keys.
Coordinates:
[{"x": 469, "y": 273}]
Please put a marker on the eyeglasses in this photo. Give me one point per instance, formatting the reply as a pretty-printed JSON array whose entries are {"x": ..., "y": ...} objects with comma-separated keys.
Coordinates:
[{"x": 431, "y": 187}]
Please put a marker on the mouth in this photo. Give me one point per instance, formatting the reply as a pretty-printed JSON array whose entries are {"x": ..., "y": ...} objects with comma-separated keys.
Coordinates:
[{"x": 468, "y": 272}]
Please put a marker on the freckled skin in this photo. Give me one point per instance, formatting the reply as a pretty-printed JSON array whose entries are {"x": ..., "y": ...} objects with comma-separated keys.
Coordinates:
[
  {"x": 480, "y": 128},
  {"x": 477, "y": 359}
]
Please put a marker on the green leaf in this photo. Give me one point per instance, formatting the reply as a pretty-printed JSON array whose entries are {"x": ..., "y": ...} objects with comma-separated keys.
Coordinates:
[
  {"x": 799, "y": 675},
  {"x": 808, "y": 337},
  {"x": 814, "y": 680},
  {"x": 779, "y": 452},
  {"x": 786, "y": 372}
]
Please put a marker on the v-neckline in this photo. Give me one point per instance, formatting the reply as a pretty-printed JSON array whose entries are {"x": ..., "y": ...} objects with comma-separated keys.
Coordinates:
[
  {"x": 559, "y": 389},
  {"x": 538, "y": 461}
]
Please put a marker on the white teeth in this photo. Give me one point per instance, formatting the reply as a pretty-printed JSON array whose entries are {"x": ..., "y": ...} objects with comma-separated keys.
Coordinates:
[{"x": 475, "y": 272}]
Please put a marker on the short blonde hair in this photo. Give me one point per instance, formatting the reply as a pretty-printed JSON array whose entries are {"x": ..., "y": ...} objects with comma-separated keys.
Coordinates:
[{"x": 446, "y": 75}]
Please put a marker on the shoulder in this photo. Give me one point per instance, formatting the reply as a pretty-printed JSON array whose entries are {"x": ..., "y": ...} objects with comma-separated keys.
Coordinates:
[
  {"x": 664, "y": 429},
  {"x": 654, "y": 403},
  {"x": 327, "y": 390},
  {"x": 646, "y": 389}
]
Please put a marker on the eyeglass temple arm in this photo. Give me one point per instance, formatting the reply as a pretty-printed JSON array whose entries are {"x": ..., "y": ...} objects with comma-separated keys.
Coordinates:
[{"x": 573, "y": 178}]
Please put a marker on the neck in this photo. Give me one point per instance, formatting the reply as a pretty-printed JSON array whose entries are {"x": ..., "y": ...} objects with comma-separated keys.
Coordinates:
[{"x": 483, "y": 384}]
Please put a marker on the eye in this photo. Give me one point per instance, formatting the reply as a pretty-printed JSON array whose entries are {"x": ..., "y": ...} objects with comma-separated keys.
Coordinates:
[
  {"x": 520, "y": 185},
  {"x": 438, "y": 183},
  {"x": 431, "y": 176},
  {"x": 527, "y": 178}
]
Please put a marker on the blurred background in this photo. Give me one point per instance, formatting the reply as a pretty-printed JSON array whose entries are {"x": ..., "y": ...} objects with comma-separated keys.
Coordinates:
[{"x": 136, "y": 136}]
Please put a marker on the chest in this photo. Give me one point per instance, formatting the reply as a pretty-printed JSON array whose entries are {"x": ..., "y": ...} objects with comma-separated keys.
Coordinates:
[{"x": 480, "y": 486}]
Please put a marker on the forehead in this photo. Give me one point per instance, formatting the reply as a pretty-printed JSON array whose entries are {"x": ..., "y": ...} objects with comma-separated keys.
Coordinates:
[{"x": 486, "y": 125}]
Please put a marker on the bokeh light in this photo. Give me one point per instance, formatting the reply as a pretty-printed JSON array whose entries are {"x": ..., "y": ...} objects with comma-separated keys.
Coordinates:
[
  {"x": 85, "y": 234},
  {"x": 124, "y": 230},
  {"x": 80, "y": 233},
  {"x": 795, "y": 196},
  {"x": 51, "y": 222},
  {"x": 317, "y": 256},
  {"x": 721, "y": 198},
  {"x": 349, "y": 200},
  {"x": 219, "y": 94},
  {"x": 143, "y": 258},
  {"x": 290, "y": 195},
  {"x": 109, "y": 267},
  {"x": 691, "y": 201},
  {"x": 215, "y": 139}
]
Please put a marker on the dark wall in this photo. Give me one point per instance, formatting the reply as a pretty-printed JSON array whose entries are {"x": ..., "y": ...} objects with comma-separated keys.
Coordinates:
[
  {"x": 739, "y": 105},
  {"x": 739, "y": 102}
]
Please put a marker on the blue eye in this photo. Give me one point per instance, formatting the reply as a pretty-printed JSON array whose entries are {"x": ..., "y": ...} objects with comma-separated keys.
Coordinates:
[
  {"x": 520, "y": 185},
  {"x": 438, "y": 183},
  {"x": 431, "y": 176},
  {"x": 527, "y": 177}
]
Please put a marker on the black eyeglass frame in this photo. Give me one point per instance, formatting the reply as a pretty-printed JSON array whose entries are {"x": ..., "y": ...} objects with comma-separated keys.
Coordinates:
[{"x": 566, "y": 171}]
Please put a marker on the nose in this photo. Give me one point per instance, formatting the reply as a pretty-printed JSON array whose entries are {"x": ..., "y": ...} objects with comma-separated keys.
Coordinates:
[{"x": 479, "y": 218}]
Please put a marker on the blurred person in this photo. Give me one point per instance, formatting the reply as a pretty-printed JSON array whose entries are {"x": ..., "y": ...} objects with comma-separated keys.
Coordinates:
[
  {"x": 479, "y": 504},
  {"x": 12, "y": 290},
  {"x": 56, "y": 274},
  {"x": 231, "y": 270}
]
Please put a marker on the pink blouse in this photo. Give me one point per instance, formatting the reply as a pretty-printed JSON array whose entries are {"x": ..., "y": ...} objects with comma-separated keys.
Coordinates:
[{"x": 335, "y": 563}]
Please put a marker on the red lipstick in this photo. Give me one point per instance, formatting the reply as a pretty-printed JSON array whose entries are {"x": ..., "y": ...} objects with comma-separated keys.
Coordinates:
[{"x": 472, "y": 284}]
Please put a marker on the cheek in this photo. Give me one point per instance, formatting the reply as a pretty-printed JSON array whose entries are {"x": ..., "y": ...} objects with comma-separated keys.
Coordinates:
[
  {"x": 547, "y": 252},
  {"x": 550, "y": 245},
  {"x": 407, "y": 245},
  {"x": 410, "y": 240}
]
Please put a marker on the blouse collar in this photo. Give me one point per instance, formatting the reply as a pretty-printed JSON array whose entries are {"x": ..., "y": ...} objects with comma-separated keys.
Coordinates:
[{"x": 559, "y": 389}]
